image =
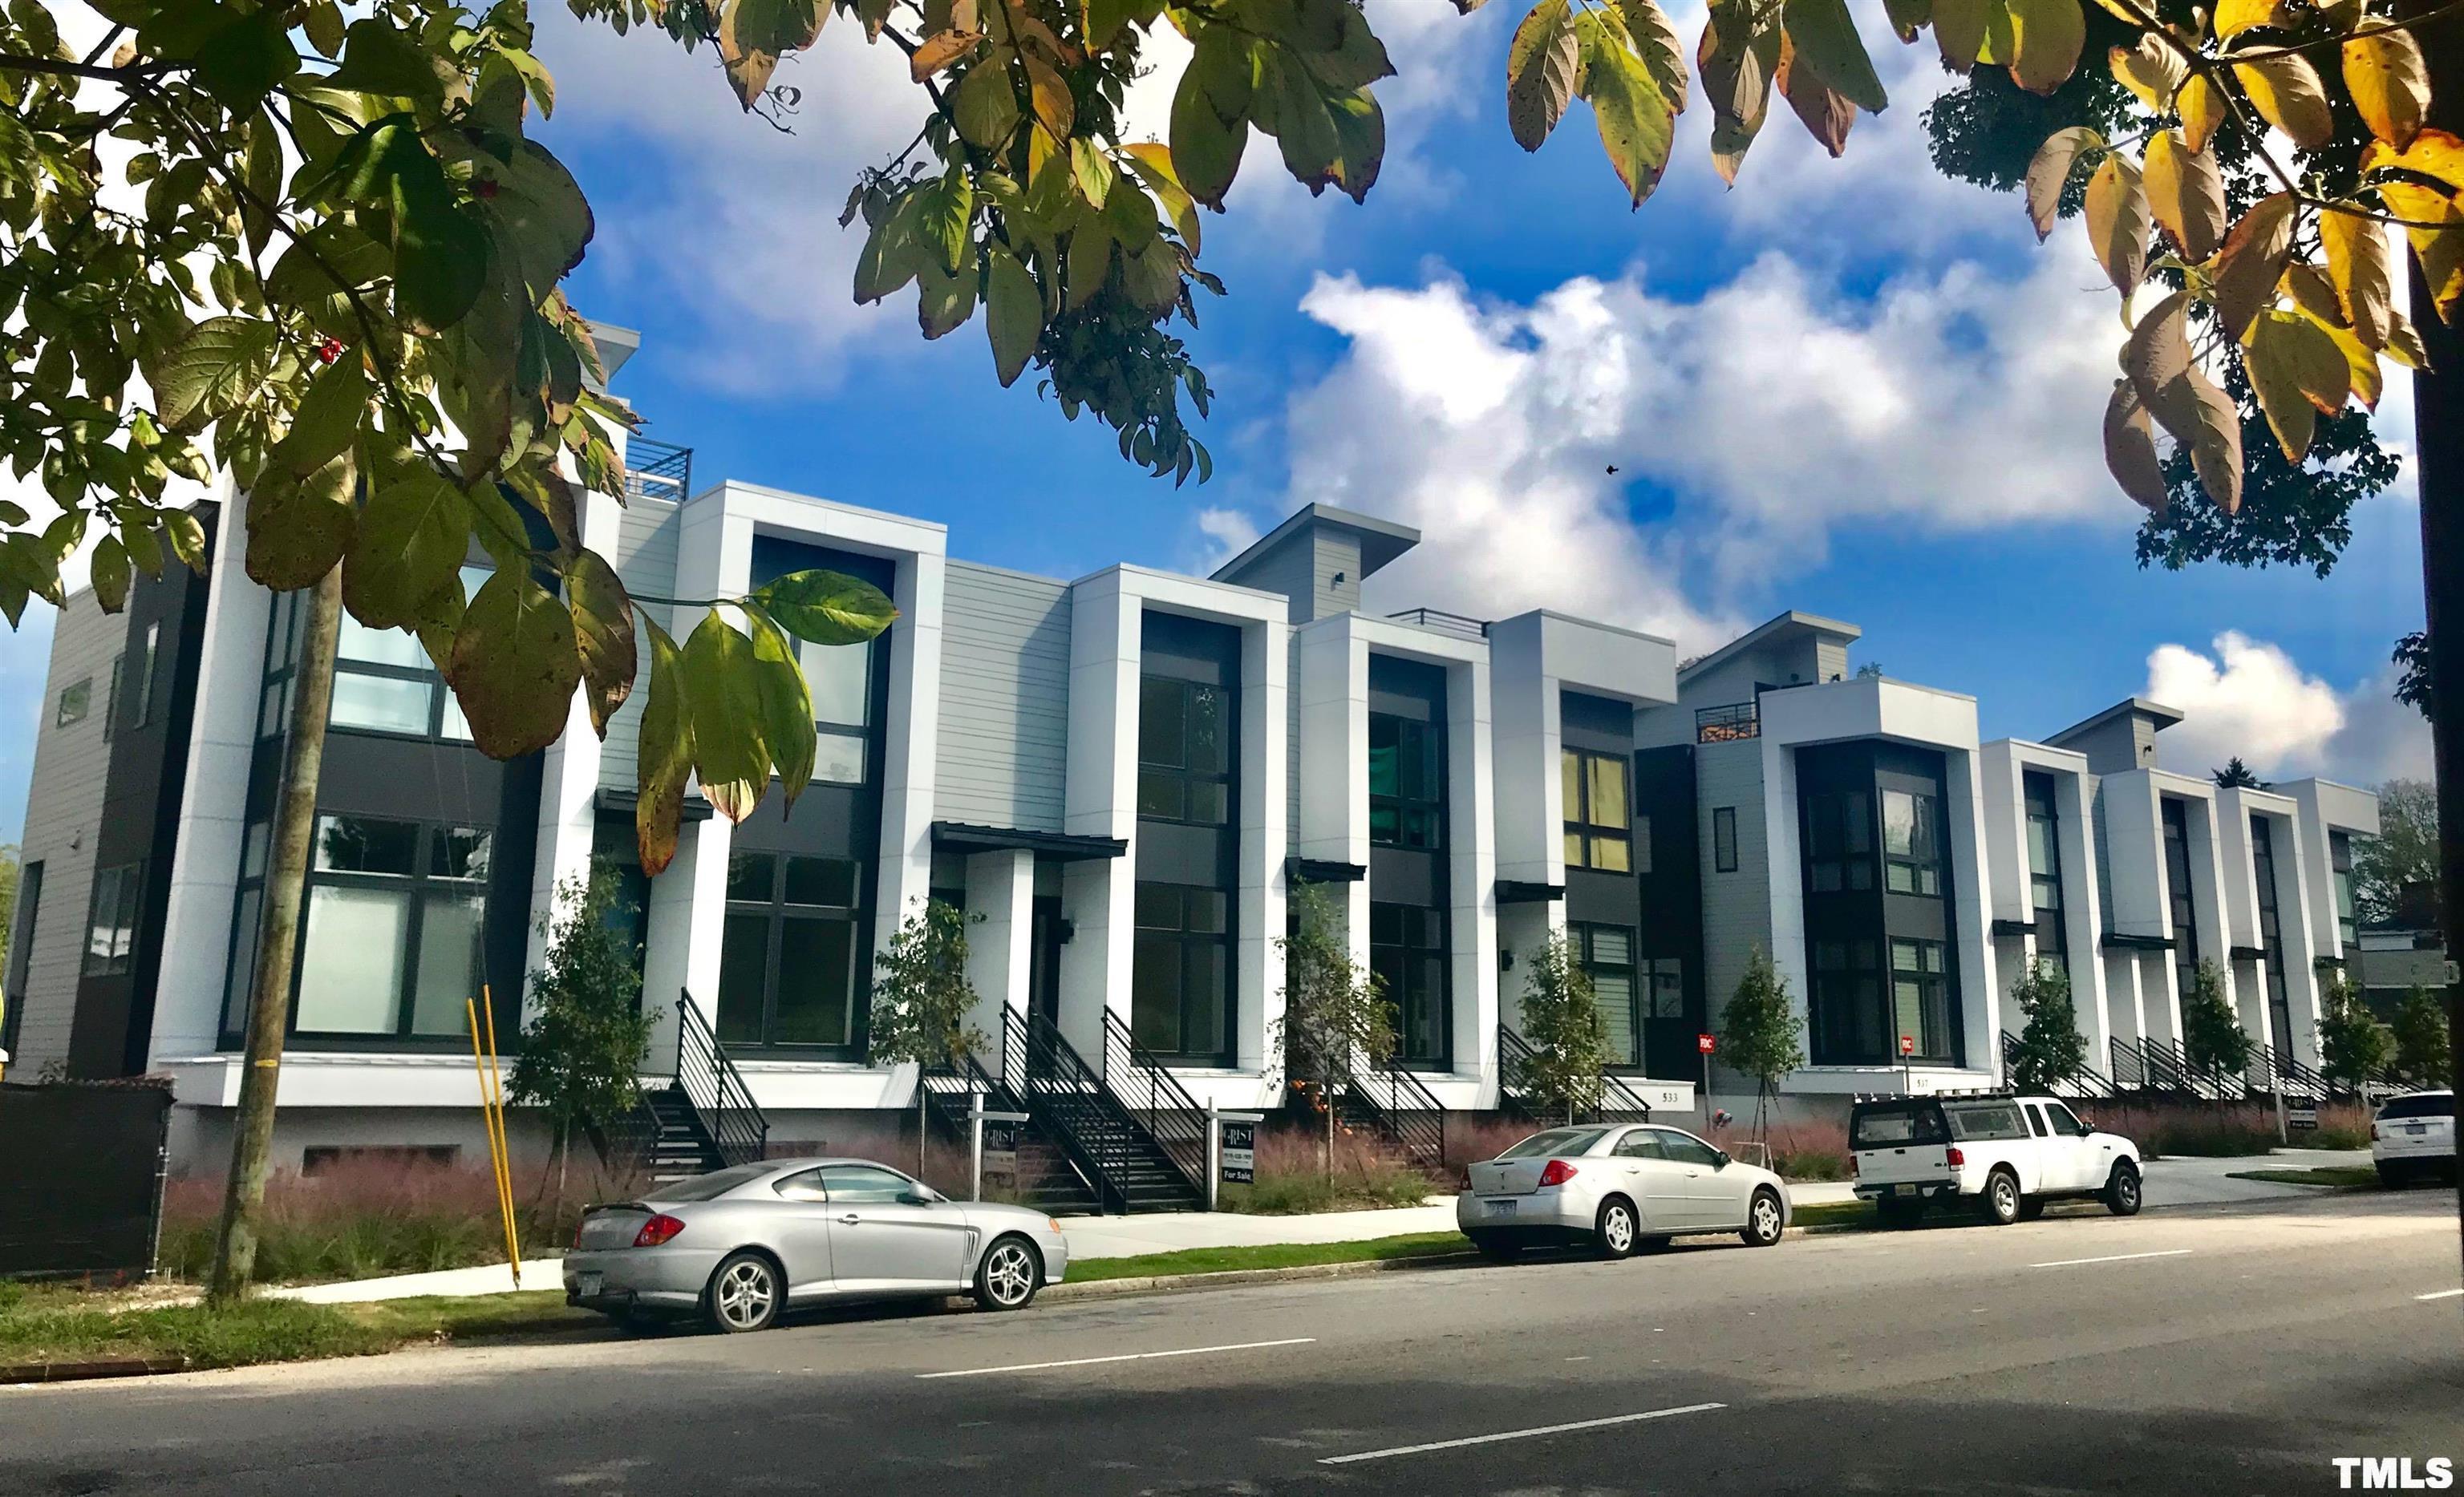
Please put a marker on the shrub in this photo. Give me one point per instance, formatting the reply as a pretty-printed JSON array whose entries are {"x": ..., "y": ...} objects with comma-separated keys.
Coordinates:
[{"x": 1363, "y": 1175}]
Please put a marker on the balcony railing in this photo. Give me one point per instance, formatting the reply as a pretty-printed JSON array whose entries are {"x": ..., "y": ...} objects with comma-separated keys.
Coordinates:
[
  {"x": 657, "y": 471},
  {"x": 1443, "y": 623},
  {"x": 1734, "y": 722}
]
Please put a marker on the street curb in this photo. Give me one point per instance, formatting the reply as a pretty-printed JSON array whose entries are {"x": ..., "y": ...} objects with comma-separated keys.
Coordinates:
[
  {"x": 91, "y": 1371},
  {"x": 1232, "y": 1278}
]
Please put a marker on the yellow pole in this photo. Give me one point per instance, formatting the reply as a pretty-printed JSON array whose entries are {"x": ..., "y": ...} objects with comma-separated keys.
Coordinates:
[
  {"x": 488, "y": 1123},
  {"x": 504, "y": 1149}
]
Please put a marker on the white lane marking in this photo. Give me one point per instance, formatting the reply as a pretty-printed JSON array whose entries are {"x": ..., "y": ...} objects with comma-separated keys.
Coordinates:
[
  {"x": 1521, "y": 1433},
  {"x": 1130, "y": 1357},
  {"x": 2457, "y": 1294},
  {"x": 2118, "y": 1257}
]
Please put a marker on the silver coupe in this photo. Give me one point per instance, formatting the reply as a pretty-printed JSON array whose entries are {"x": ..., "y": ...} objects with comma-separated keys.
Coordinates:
[{"x": 737, "y": 1247}]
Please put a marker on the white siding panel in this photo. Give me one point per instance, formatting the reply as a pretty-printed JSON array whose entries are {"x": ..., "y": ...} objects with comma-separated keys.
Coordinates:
[
  {"x": 646, "y": 561},
  {"x": 1004, "y": 736}
]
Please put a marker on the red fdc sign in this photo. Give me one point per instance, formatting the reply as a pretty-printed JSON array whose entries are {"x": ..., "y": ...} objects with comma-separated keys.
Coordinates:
[
  {"x": 1704, "y": 1043},
  {"x": 1907, "y": 1044}
]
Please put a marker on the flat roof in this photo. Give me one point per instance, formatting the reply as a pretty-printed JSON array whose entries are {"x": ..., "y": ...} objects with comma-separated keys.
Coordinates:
[
  {"x": 1788, "y": 624},
  {"x": 1381, "y": 541},
  {"x": 2157, "y": 712}
]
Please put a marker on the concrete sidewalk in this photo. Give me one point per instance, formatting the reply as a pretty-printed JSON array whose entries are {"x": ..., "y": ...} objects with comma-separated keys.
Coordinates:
[{"x": 2170, "y": 1182}]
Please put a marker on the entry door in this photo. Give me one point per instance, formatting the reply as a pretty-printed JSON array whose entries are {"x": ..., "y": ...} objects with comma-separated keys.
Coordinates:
[
  {"x": 881, "y": 1241},
  {"x": 1044, "y": 958}
]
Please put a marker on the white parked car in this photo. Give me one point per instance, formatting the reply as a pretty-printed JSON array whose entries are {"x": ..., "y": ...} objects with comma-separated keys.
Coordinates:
[
  {"x": 2004, "y": 1154},
  {"x": 1615, "y": 1187},
  {"x": 2414, "y": 1135}
]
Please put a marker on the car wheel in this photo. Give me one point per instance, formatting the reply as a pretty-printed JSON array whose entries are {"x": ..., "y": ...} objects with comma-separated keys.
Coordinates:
[
  {"x": 1615, "y": 1233},
  {"x": 1009, "y": 1275},
  {"x": 744, "y": 1295},
  {"x": 1495, "y": 1248},
  {"x": 2001, "y": 1201},
  {"x": 2122, "y": 1191},
  {"x": 2031, "y": 1207},
  {"x": 1899, "y": 1214},
  {"x": 1764, "y": 1222}
]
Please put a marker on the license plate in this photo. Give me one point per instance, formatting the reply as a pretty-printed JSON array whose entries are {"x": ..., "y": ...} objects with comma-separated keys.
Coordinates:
[
  {"x": 1500, "y": 1209},
  {"x": 1903, "y": 1190},
  {"x": 592, "y": 1284},
  {"x": 2417, "y": 1129}
]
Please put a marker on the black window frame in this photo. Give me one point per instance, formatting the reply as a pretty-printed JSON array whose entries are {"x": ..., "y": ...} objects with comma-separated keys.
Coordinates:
[
  {"x": 1840, "y": 841},
  {"x": 1634, "y": 970},
  {"x": 1187, "y": 947},
  {"x": 2180, "y": 901},
  {"x": 21, "y": 950},
  {"x": 149, "y": 663},
  {"x": 1409, "y": 953},
  {"x": 1934, "y": 1029},
  {"x": 1724, "y": 839},
  {"x": 1849, "y": 1018},
  {"x": 1584, "y": 832},
  {"x": 1923, "y": 858},
  {"x": 111, "y": 698},
  {"x": 2340, "y": 872},
  {"x": 441, "y": 705},
  {"x": 1414, "y": 821},
  {"x": 431, "y": 839},
  {"x": 123, "y": 887},
  {"x": 2268, "y": 914},
  {"x": 1182, "y": 779},
  {"x": 81, "y": 692},
  {"x": 2042, "y": 809},
  {"x": 776, "y": 910}
]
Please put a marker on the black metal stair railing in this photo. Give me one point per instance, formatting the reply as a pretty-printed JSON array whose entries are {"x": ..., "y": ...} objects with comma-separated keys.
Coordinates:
[
  {"x": 1618, "y": 1101},
  {"x": 2287, "y": 1076},
  {"x": 718, "y": 1091},
  {"x": 1072, "y": 1107},
  {"x": 2083, "y": 1080},
  {"x": 1156, "y": 1099},
  {"x": 1399, "y": 1105},
  {"x": 2129, "y": 1066}
]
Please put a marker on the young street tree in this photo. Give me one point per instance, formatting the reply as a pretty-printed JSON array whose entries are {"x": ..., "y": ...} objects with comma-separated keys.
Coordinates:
[
  {"x": 1336, "y": 1012},
  {"x": 2353, "y": 1045},
  {"x": 2423, "y": 1053},
  {"x": 2050, "y": 1049},
  {"x": 2213, "y": 1038},
  {"x": 1562, "y": 1024},
  {"x": 323, "y": 258},
  {"x": 1759, "y": 1034},
  {"x": 921, "y": 999},
  {"x": 587, "y": 1035}
]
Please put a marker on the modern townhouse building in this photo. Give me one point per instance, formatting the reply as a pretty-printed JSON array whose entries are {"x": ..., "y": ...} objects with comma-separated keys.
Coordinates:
[{"x": 1121, "y": 777}]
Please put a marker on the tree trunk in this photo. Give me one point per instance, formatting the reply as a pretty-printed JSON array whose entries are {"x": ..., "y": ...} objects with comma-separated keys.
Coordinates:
[
  {"x": 919, "y": 1120},
  {"x": 2439, "y": 435},
  {"x": 269, "y": 1011}
]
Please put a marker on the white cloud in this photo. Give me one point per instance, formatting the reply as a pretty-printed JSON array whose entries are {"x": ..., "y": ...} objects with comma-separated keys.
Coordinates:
[
  {"x": 2249, "y": 698},
  {"x": 1769, "y": 411},
  {"x": 1228, "y": 533}
]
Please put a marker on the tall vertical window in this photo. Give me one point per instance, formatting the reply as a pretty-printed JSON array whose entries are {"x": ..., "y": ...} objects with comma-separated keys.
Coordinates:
[
  {"x": 1838, "y": 841},
  {"x": 2270, "y": 932},
  {"x": 1911, "y": 844},
  {"x": 248, "y": 913},
  {"x": 1607, "y": 955},
  {"x": 839, "y": 679},
  {"x": 1407, "y": 952},
  {"x": 391, "y": 932},
  {"x": 1184, "y": 752},
  {"x": 1599, "y": 819},
  {"x": 21, "y": 951},
  {"x": 2045, "y": 870},
  {"x": 2340, "y": 862},
  {"x": 787, "y": 952},
  {"x": 1921, "y": 999},
  {"x": 111, "y": 928},
  {"x": 1407, "y": 783},
  {"x": 1723, "y": 838},
  {"x": 384, "y": 682},
  {"x": 1851, "y": 1023},
  {"x": 111, "y": 701},
  {"x": 142, "y": 711},
  {"x": 1180, "y": 972},
  {"x": 2177, "y": 887}
]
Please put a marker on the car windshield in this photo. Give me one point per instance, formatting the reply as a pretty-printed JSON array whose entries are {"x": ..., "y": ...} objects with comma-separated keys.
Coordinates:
[
  {"x": 1895, "y": 1123},
  {"x": 2428, "y": 1104},
  {"x": 710, "y": 1186},
  {"x": 1556, "y": 1140}
]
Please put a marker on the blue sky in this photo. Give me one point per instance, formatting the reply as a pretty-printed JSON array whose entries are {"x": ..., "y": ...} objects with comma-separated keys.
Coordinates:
[{"x": 1849, "y": 387}]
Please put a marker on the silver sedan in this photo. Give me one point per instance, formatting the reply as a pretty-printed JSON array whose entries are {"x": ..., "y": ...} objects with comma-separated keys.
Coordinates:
[
  {"x": 1615, "y": 1187},
  {"x": 739, "y": 1246}
]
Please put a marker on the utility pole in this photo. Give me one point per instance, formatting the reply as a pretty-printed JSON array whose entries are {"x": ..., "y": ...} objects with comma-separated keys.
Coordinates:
[
  {"x": 2438, "y": 433},
  {"x": 269, "y": 1000}
]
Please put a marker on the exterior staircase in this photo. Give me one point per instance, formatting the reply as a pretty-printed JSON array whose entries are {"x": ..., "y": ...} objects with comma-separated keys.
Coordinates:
[
  {"x": 1046, "y": 1179},
  {"x": 678, "y": 1145},
  {"x": 1130, "y": 1167}
]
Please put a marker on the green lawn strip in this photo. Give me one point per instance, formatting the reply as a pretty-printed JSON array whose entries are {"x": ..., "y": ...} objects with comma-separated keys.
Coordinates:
[
  {"x": 1273, "y": 1255},
  {"x": 2342, "y": 1177},
  {"x": 55, "y": 1327},
  {"x": 1834, "y": 1214}
]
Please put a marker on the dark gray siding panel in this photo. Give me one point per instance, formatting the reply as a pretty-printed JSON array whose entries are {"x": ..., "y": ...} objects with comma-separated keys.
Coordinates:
[
  {"x": 1005, "y": 729},
  {"x": 63, "y": 808}
]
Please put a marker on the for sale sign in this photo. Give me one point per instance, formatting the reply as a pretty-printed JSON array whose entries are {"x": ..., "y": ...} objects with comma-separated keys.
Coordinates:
[
  {"x": 2302, "y": 1115},
  {"x": 1240, "y": 1153},
  {"x": 1000, "y": 1148}
]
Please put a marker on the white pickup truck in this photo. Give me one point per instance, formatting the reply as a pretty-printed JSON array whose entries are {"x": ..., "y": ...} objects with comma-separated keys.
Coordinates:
[{"x": 2005, "y": 1153}]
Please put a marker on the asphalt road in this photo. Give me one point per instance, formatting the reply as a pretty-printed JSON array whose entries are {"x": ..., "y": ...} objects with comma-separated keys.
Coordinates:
[{"x": 2230, "y": 1350}]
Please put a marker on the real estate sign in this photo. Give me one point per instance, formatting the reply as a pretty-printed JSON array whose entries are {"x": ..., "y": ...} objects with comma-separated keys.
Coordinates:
[{"x": 1240, "y": 1153}]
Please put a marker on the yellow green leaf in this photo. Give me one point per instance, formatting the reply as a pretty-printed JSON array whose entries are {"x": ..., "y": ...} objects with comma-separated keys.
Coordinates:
[
  {"x": 2117, "y": 221},
  {"x": 2050, "y": 170},
  {"x": 2298, "y": 372},
  {"x": 731, "y": 749},
  {"x": 1541, "y": 65},
  {"x": 2249, "y": 267},
  {"x": 1826, "y": 42},
  {"x": 1637, "y": 128},
  {"x": 786, "y": 705},
  {"x": 2202, "y": 109},
  {"x": 2130, "y": 449},
  {"x": 2185, "y": 193},
  {"x": 515, "y": 665},
  {"x": 664, "y": 762},
  {"x": 1664, "y": 55},
  {"x": 110, "y": 574},
  {"x": 2237, "y": 16},
  {"x": 2150, "y": 69},
  {"x": 2390, "y": 82},
  {"x": 2046, "y": 36},
  {"x": 412, "y": 536},
  {"x": 1959, "y": 30},
  {"x": 603, "y": 627},
  {"x": 2286, "y": 90},
  {"x": 1736, "y": 59},
  {"x": 754, "y": 34},
  {"x": 1014, "y": 314},
  {"x": 2361, "y": 266}
]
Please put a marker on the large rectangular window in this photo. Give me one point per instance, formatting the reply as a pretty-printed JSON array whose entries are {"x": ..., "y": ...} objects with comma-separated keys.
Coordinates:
[
  {"x": 1407, "y": 783},
  {"x": 384, "y": 681},
  {"x": 1607, "y": 955},
  {"x": 1838, "y": 841},
  {"x": 2340, "y": 862},
  {"x": 1921, "y": 1000},
  {"x": 1598, "y": 810},
  {"x": 2045, "y": 871},
  {"x": 390, "y": 942},
  {"x": 1407, "y": 952},
  {"x": 1851, "y": 1024},
  {"x": 2271, "y": 933},
  {"x": 1911, "y": 844},
  {"x": 2176, "y": 818},
  {"x": 1184, "y": 752},
  {"x": 787, "y": 953},
  {"x": 839, "y": 679},
  {"x": 21, "y": 951},
  {"x": 1180, "y": 988},
  {"x": 111, "y": 927}
]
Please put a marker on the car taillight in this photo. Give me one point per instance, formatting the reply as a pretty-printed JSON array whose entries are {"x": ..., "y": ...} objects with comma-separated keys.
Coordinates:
[
  {"x": 656, "y": 1230},
  {"x": 1851, "y": 1166},
  {"x": 1556, "y": 1172},
  {"x": 1953, "y": 1158},
  {"x": 578, "y": 1226},
  {"x": 2374, "y": 1133}
]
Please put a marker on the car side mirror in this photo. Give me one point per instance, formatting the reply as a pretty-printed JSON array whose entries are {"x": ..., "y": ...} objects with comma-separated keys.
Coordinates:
[
  {"x": 1723, "y": 1158},
  {"x": 922, "y": 1194}
]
